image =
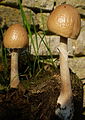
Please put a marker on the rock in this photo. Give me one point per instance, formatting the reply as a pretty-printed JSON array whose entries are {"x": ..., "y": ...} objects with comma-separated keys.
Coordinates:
[
  {"x": 40, "y": 4},
  {"x": 9, "y": 15},
  {"x": 31, "y": 16},
  {"x": 77, "y": 65},
  {"x": 82, "y": 23},
  {"x": 9, "y": 2},
  {"x": 52, "y": 42},
  {"x": 79, "y": 4},
  {"x": 42, "y": 20},
  {"x": 75, "y": 3},
  {"x": 80, "y": 44},
  {"x": 82, "y": 12}
]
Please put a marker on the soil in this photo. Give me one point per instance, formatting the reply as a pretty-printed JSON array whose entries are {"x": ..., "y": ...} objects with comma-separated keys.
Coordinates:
[{"x": 35, "y": 99}]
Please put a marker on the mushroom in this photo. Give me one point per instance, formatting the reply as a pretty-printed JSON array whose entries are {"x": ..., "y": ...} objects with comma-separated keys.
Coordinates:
[
  {"x": 65, "y": 22},
  {"x": 15, "y": 37}
]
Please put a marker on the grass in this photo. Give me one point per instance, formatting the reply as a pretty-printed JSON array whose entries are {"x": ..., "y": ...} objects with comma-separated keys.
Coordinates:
[
  {"x": 36, "y": 46},
  {"x": 37, "y": 60},
  {"x": 3, "y": 60}
]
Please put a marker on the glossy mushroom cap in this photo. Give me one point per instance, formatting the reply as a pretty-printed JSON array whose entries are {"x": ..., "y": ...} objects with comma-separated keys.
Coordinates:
[
  {"x": 65, "y": 21},
  {"x": 15, "y": 37}
]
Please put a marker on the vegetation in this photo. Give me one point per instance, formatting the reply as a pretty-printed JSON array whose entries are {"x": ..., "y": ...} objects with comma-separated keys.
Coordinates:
[
  {"x": 33, "y": 65},
  {"x": 38, "y": 74}
]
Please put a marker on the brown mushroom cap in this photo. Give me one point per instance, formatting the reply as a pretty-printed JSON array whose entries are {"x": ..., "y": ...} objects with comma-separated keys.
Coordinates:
[
  {"x": 15, "y": 37},
  {"x": 64, "y": 21}
]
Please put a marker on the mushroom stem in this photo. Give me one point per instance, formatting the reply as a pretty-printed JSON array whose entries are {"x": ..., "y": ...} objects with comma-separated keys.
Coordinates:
[
  {"x": 84, "y": 96},
  {"x": 64, "y": 69},
  {"x": 14, "y": 70},
  {"x": 64, "y": 103}
]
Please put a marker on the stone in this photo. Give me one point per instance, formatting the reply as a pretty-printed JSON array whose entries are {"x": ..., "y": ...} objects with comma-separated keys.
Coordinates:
[
  {"x": 40, "y": 4},
  {"x": 77, "y": 65},
  {"x": 79, "y": 4},
  {"x": 31, "y": 16},
  {"x": 75, "y": 3},
  {"x": 9, "y": 15},
  {"x": 80, "y": 44},
  {"x": 52, "y": 42},
  {"x": 42, "y": 20},
  {"x": 9, "y": 2},
  {"x": 81, "y": 11},
  {"x": 83, "y": 23}
]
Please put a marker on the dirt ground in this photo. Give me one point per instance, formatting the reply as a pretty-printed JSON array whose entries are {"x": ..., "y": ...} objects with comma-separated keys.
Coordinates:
[{"x": 35, "y": 99}]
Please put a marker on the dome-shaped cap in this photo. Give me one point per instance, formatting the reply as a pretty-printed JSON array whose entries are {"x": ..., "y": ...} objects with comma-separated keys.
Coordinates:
[
  {"x": 64, "y": 21},
  {"x": 15, "y": 37}
]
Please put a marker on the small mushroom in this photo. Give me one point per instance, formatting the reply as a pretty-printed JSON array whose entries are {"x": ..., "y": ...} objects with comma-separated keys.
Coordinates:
[
  {"x": 65, "y": 22},
  {"x": 15, "y": 37}
]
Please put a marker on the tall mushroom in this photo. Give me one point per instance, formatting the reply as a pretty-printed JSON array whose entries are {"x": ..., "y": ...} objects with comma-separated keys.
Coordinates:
[
  {"x": 65, "y": 22},
  {"x": 15, "y": 37}
]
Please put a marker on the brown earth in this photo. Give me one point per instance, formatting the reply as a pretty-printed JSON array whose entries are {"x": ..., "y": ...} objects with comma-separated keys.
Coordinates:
[{"x": 35, "y": 99}]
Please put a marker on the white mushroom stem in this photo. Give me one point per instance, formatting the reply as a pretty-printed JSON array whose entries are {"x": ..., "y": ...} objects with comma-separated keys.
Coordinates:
[
  {"x": 65, "y": 107},
  {"x": 66, "y": 91},
  {"x": 83, "y": 82},
  {"x": 14, "y": 70},
  {"x": 84, "y": 95}
]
